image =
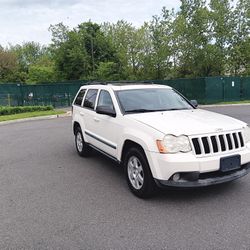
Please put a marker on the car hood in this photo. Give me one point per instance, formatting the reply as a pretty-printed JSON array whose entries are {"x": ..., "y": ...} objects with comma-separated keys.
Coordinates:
[{"x": 188, "y": 122}]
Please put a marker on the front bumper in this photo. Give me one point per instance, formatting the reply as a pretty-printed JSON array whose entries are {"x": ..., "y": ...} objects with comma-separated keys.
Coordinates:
[
  {"x": 164, "y": 166},
  {"x": 206, "y": 179}
]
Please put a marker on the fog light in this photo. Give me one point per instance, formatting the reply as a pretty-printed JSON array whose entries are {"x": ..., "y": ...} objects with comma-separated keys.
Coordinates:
[{"x": 176, "y": 177}]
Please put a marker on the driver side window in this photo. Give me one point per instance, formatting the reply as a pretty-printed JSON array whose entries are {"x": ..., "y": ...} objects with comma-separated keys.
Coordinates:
[{"x": 105, "y": 99}]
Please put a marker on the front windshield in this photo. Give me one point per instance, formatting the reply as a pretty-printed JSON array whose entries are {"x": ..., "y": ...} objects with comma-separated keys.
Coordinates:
[{"x": 151, "y": 100}]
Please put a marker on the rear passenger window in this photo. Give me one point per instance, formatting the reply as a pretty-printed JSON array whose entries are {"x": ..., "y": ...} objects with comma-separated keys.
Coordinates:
[
  {"x": 90, "y": 98},
  {"x": 79, "y": 97}
]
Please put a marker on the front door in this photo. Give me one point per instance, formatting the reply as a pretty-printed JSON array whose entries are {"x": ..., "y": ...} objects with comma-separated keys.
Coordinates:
[{"x": 105, "y": 128}]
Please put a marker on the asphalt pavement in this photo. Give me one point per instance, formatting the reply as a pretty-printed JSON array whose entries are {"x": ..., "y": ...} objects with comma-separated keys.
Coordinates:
[{"x": 50, "y": 198}]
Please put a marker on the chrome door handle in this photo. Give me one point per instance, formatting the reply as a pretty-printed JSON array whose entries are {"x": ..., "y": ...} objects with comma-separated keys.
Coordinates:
[
  {"x": 96, "y": 119},
  {"x": 81, "y": 113}
]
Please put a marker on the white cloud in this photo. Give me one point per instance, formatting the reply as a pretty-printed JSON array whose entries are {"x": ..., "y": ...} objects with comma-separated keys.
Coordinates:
[{"x": 28, "y": 20}]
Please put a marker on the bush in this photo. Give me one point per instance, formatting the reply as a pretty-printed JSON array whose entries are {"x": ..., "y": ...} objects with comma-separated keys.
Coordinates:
[{"x": 23, "y": 109}]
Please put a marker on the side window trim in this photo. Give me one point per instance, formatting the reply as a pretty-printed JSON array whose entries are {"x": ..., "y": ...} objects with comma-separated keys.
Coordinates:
[
  {"x": 97, "y": 98},
  {"x": 83, "y": 97}
]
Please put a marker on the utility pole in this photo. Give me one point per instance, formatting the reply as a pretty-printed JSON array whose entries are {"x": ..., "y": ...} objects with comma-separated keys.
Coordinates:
[{"x": 92, "y": 54}]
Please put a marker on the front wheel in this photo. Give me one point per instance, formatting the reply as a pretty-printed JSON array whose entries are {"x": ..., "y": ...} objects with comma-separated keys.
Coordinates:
[
  {"x": 82, "y": 148},
  {"x": 138, "y": 174}
]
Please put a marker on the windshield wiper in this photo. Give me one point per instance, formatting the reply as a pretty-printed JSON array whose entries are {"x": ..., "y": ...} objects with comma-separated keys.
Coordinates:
[
  {"x": 139, "y": 110},
  {"x": 152, "y": 110},
  {"x": 175, "y": 109},
  {"x": 144, "y": 110}
]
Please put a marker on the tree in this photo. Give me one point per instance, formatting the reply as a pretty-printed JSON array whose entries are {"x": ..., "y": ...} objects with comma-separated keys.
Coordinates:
[
  {"x": 71, "y": 58},
  {"x": 28, "y": 53},
  {"x": 222, "y": 28},
  {"x": 8, "y": 66},
  {"x": 108, "y": 71},
  {"x": 38, "y": 74},
  {"x": 119, "y": 35},
  {"x": 192, "y": 34},
  {"x": 42, "y": 71},
  {"x": 59, "y": 34},
  {"x": 80, "y": 52},
  {"x": 132, "y": 47},
  {"x": 161, "y": 31},
  {"x": 239, "y": 46},
  {"x": 203, "y": 38}
]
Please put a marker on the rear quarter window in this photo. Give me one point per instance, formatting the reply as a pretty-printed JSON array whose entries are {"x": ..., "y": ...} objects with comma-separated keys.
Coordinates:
[
  {"x": 89, "y": 101},
  {"x": 79, "y": 98}
]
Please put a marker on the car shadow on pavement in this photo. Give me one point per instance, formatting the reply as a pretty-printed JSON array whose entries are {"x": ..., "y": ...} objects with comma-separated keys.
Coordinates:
[
  {"x": 171, "y": 194},
  {"x": 108, "y": 163},
  {"x": 201, "y": 193}
]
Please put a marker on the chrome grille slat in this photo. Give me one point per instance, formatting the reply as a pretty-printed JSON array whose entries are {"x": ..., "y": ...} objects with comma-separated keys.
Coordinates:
[
  {"x": 237, "y": 140},
  {"x": 232, "y": 140},
  {"x": 211, "y": 148},
  {"x": 241, "y": 139},
  {"x": 217, "y": 143},
  {"x": 201, "y": 145},
  {"x": 226, "y": 142}
]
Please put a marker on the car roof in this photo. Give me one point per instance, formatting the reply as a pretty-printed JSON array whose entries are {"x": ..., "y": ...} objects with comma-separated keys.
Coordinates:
[{"x": 126, "y": 86}]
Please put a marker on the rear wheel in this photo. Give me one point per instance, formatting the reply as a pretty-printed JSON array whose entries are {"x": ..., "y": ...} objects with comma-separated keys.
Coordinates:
[
  {"x": 138, "y": 173},
  {"x": 82, "y": 148}
]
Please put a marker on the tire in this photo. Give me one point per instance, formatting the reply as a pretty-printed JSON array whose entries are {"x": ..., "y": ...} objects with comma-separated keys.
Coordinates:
[
  {"x": 83, "y": 149},
  {"x": 140, "y": 182}
]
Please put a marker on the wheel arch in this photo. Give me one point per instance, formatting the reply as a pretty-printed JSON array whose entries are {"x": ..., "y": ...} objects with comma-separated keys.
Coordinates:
[
  {"x": 127, "y": 145},
  {"x": 149, "y": 185},
  {"x": 75, "y": 126},
  {"x": 136, "y": 142}
]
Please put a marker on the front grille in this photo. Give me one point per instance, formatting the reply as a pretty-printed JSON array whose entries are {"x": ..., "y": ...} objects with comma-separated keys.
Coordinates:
[{"x": 212, "y": 144}]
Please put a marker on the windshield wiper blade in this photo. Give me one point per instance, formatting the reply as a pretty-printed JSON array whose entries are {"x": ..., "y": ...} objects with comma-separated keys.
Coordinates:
[
  {"x": 140, "y": 110},
  {"x": 175, "y": 109},
  {"x": 151, "y": 110}
]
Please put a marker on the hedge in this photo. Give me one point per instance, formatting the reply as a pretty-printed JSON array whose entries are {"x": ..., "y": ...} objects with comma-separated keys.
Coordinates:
[{"x": 23, "y": 109}]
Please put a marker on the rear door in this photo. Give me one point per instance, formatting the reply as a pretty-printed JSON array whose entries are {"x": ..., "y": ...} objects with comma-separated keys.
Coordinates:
[
  {"x": 89, "y": 114},
  {"x": 77, "y": 110}
]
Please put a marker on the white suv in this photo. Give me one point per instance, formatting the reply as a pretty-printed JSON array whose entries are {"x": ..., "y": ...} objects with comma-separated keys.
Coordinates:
[{"x": 159, "y": 136}]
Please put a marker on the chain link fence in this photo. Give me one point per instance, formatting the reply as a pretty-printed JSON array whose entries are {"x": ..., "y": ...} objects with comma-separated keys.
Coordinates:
[{"x": 207, "y": 90}]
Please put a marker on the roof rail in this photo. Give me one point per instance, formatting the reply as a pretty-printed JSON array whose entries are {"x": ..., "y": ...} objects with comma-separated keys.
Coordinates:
[
  {"x": 118, "y": 82},
  {"x": 95, "y": 83}
]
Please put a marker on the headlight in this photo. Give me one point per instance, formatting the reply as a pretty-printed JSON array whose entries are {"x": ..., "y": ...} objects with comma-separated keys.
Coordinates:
[
  {"x": 173, "y": 144},
  {"x": 246, "y": 133}
]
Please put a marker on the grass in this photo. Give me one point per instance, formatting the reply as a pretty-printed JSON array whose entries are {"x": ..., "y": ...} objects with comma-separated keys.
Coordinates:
[
  {"x": 6, "y": 110},
  {"x": 30, "y": 114}
]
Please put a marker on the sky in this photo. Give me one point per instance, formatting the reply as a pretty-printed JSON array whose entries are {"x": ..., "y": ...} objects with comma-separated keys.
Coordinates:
[{"x": 29, "y": 20}]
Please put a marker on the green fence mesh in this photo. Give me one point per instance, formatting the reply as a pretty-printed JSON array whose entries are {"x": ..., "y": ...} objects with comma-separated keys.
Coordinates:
[
  {"x": 206, "y": 90},
  {"x": 58, "y": 94},
  {"x": 245, "y": 88}
]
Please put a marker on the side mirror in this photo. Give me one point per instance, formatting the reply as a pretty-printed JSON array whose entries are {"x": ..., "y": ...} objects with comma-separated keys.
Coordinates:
[
  {"x": 106, "y": 110},
  {"x": 194, "y": 103}
]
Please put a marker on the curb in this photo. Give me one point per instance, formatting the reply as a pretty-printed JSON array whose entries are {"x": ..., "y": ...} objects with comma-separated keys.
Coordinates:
[
  {"x": 224, "y": 105},
  {"x": 68, "y": 113},
  {"x": 47, "y": 117}
]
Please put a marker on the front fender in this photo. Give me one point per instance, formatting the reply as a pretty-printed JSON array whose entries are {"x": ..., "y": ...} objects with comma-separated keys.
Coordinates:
[{"x": 145, "y": 140}]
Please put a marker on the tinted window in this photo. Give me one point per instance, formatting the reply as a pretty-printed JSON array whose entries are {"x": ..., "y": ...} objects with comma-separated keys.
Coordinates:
[
  {"x": 79, "y": 97},
  {"x": 90, "y": 98},
  {"x": 150, "y": 100},
  {"x": 105, "y": 99}
]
